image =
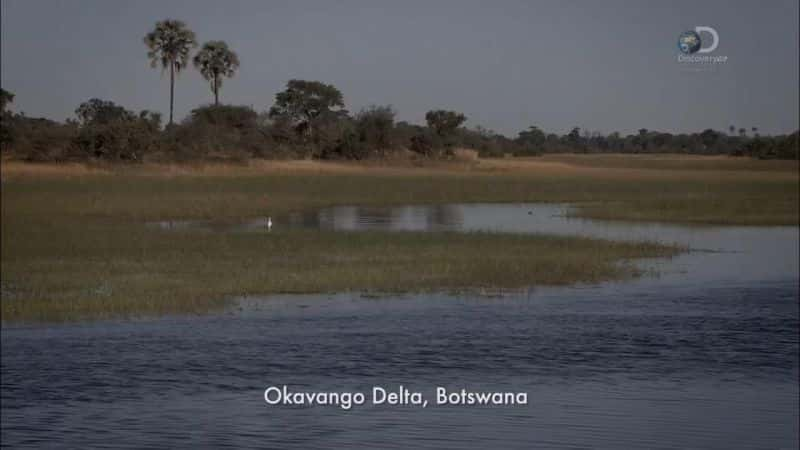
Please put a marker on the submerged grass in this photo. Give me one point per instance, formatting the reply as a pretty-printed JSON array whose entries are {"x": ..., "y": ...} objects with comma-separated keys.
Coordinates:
[{"x": 74, "y": 245}]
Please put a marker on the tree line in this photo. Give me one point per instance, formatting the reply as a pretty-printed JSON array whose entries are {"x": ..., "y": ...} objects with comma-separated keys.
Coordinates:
[
  {"x": 706, "y": 142},
  {"x": 309, "y": 119}
]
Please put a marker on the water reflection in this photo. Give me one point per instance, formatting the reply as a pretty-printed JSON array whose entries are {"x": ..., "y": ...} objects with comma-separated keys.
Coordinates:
[
  {"x": 511, "y": 218},
  {"x": 401, "y": 218},
  {"x": 343, "y": 218},
  {"x": 739, "y": 254}
]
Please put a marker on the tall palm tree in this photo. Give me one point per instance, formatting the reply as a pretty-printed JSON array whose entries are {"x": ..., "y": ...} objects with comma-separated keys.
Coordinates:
[
  {"x": 214, "y": 61},
  {"x": 169, "y": 45}
]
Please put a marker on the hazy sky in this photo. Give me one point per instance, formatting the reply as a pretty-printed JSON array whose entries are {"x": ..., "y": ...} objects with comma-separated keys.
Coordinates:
[{"x": 601, "y": 65}]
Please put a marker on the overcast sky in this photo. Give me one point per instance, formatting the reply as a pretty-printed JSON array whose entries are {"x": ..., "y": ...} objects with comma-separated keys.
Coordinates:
[{"x": 600, "y": 65}]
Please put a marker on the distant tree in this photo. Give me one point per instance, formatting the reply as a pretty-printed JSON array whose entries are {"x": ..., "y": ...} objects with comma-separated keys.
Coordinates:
[
  {"x": 574, "y": 137},
  {"x": 755, "y": 131},
  {"x": 101, "y": 112},
  {"x": 375, "y": 125},
  {"x": 109, "y": 131},
  {"x": 153, "y": 118},
  {"x": 6, "y": 134},
  {"x": 600, "y": 142},
  {"x": 643, "y": 138},
  {"x": 425, "y": 143},
  {"x": 489, "y": 143},
  {"x": 788, "y": 147},
  {"x": 169, "y": 45},
  {"x": 708, "y": 138},
  {"x": 5, "y": 98},
  {"x": 742, "y": 132},
  {"x": 532, "y": 139},
  {"x": 214, "y": 61},
  {"x": 661, "y": 140},
  {"x": 731, "y": 130},
  {"x": 552, "y": 141},
  {"x": 444, "y": 122},
  {"x": 305, "y": 103},
  {"x": 615, "y": 141}
]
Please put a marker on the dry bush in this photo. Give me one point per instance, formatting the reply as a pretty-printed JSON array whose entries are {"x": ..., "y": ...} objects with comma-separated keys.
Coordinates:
[{"x": 465, "y": 154}]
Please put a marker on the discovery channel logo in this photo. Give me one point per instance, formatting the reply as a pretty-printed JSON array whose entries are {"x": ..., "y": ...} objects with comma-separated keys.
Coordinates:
[{"x": 692, "y": 49}]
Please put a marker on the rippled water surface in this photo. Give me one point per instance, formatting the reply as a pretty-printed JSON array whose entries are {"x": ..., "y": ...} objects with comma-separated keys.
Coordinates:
[{"x": 703, "y": 356}]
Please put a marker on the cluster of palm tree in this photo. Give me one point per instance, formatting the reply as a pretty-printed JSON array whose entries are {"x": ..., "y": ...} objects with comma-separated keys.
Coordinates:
[
  {"x": 170, "y": 45},
  {"x": 742, "y": 131}
]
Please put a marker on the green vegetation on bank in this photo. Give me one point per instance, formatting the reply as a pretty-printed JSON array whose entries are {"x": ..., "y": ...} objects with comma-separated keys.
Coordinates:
[{"x": 309, "y": 120}]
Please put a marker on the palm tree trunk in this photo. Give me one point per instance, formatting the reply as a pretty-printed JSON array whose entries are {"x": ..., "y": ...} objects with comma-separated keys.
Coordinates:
[
  {"x": 216, "y": 91},
  {"x": 171, "y": 89}
]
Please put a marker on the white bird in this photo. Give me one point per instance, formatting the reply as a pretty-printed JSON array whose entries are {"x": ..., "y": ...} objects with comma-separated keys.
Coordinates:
[{"x": 269, "y": 223}]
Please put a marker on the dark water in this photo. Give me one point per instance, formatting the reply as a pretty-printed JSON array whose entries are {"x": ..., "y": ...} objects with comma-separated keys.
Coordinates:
[{"x": 703, "y": 356}]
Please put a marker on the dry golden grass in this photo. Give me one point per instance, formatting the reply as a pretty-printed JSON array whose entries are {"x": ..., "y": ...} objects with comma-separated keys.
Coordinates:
[
  {"x": 624, "y": 166},
  {"x": 17, "y": 169},
  {"x": 465, "y": 154},
  {"x": 23, "y": 170},
  {"x": 671, "y": 161}
]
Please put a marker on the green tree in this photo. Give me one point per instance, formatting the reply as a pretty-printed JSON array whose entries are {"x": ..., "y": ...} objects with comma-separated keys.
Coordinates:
[
  {"x": 643, "y": 138},
  {"x": 214, "y": 61},
  {"x": 375, "y": 125},
  {"x": 101, "y": 112},
  {"x": 444, "y": 122},
  {"x": 6, "y": 135},
  {"x": 109, "y": 131},
  {"x": 169, "y": 45},
  {"x": 152, "y": 118},
  {"x": 304, "y": 104},
  {"x": 532, "y": 139},
  {"x": 708, "y": 138},
  {"x": 574, "y": 137}
]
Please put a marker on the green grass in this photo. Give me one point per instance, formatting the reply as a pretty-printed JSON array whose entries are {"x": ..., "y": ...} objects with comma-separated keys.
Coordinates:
[
  {"x": 76, "y": 247},
  {"x": 768, "y": 199},
  {"x": 79, "y": 271}
]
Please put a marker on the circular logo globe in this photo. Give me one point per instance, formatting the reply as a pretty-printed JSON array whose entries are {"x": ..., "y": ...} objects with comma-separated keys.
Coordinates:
[{"x": 689, "y": 42}]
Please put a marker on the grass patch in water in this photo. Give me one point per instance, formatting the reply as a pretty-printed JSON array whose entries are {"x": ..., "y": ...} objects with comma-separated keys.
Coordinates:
[{"x": 90, "y": 272}]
